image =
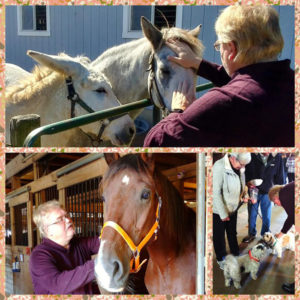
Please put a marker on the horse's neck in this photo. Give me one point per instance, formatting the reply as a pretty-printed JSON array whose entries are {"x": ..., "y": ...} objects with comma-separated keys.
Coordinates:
[
  {"x": 125, "y": 66},
  {"x": 50, "y": 103},
  {"x": 168, "y": 273}
]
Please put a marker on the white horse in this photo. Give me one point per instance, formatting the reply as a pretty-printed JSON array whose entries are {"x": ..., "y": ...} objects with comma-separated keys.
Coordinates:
[
  {"x": 139, "y": 69},
  {"x": 45, "y": 92}
]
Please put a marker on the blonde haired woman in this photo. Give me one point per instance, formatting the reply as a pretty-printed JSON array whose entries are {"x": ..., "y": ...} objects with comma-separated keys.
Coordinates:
[{"x": 253, "y": 101}]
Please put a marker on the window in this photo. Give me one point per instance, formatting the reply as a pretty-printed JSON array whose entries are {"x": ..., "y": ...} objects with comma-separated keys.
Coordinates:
[
  {"x": 132, "y": 16},
  {"x": 33, "y": 20}
]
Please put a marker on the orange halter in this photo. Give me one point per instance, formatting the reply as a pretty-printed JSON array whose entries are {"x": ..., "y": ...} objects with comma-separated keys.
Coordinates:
[{"x": 136, "y": 249}]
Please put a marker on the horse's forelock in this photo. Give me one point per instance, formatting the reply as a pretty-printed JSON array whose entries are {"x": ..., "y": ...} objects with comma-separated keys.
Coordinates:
[
  {"x": 184, "y": 36},
  {"x": 128, "y": 162}
]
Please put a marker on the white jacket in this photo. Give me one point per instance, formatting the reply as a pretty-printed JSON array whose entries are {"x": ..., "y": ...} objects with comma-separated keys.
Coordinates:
[{"x": 227, "y": 187}]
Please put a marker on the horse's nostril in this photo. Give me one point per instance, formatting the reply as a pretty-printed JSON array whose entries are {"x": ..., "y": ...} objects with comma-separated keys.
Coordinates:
[{"x": 116, "y": 268}]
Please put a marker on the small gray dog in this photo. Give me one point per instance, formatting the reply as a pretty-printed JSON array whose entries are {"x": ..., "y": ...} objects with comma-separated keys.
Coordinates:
[{"x": 250, "y": 262}]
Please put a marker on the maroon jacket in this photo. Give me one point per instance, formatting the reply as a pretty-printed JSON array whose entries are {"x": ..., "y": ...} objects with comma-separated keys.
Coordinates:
[
  {"x": 56, "y": 270},
  {"x": 253, "y": 108},
  {"x": 287, "y": 200}
]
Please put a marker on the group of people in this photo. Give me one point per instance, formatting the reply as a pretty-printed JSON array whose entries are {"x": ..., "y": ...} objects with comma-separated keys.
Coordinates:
[{"x": 235, "y": 177}]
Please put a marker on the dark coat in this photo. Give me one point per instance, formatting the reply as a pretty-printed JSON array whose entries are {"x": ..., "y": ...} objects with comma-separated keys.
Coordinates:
[
  {"x": 271, "y": 174},
  {"x": 253, "y": 108}
]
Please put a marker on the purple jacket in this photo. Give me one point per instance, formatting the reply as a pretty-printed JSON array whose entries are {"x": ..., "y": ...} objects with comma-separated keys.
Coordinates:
[
  {"x": 56, "y": 270},
  {"x": 255, "y": 107},
  {"x": 287, "y": 200}
]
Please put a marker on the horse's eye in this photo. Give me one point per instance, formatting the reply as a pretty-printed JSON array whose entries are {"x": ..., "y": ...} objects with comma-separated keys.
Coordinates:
[
  {"x": 146, "y": 195},
  {"x": 101, "y": 90},
  {"x": 165, "y": 72}
]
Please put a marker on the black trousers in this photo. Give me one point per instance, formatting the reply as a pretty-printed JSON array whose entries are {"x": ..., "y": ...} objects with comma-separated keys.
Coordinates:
[{"x": 219, "y": 228}]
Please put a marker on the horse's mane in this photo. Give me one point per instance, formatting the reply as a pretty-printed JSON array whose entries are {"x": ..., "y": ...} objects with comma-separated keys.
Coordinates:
[
  {"x": 40, "y": 79},
  {"x": 179, "y": 221},
  {"x": 184, "y": 36}
]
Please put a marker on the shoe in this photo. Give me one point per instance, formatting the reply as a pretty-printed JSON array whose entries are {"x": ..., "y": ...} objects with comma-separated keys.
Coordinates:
[
  {"x": 289, "y": 287},
  {"x": 248, "y": 238},
  {"x": 221, "y": 264}
]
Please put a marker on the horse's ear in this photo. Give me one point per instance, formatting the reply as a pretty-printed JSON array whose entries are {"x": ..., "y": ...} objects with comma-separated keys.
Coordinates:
[
  {"x": 111, "y": 157},
  {"x": 149, "y": 160},
  {"x": 151, "y": 32},
  {"x": 195, "y": 32},
  {"x": 61, "y": 64}
]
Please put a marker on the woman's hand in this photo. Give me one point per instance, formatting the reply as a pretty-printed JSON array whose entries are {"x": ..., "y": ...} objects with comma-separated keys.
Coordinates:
[
  {"x": 186, "y": 57},
  {"x": 278, "y": 235},
  {"x": 226, "y": 219},
  {"x": 182, "y": 98}
]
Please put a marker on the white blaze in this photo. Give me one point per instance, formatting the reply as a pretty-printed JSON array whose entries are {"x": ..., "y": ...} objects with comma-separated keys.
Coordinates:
[{"x": 125, "y": 180}]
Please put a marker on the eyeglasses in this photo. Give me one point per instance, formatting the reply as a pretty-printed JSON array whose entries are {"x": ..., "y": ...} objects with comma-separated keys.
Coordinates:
[
  {"x": 217, "y": 45},
  {"x": 60, "y": 220}
]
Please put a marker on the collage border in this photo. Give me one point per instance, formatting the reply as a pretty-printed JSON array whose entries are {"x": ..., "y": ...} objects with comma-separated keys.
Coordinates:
[{"x": 209, "y": 151}]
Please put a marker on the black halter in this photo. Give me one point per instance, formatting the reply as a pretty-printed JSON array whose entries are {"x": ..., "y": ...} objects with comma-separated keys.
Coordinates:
[
  {"x": 152, "y": 84},
  {"x": 75, "y": 99}
]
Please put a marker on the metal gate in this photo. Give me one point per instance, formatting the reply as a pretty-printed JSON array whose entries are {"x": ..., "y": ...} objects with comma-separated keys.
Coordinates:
[{"x": 84, "y": 207}]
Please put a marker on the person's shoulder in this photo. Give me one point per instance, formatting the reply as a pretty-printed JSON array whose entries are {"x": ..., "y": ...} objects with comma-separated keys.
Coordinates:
[{"x": 219, "y": 164}]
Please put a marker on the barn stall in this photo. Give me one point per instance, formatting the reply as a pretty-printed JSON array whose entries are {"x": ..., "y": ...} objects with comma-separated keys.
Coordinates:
[{"x": 73, "y": 179}]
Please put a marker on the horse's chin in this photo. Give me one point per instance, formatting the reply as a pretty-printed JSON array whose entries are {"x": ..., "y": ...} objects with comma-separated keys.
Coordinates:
[{"x": 110, "y": 290}]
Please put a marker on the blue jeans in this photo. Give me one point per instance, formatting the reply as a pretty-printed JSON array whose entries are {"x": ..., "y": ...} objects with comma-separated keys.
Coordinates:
[{"x": 265, "y": 206}]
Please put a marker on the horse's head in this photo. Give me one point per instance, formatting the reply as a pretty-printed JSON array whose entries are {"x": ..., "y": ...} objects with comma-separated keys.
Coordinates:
[
  {"x": 168, "y": 75},
  {"x": 94, "y": 90},
  {"x": 131, "y": 202}
]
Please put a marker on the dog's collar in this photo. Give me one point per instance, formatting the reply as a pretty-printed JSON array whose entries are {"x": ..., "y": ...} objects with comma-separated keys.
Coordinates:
[
  {"x": 274, "y": 243},
  {"x": 251, "y": 257}
]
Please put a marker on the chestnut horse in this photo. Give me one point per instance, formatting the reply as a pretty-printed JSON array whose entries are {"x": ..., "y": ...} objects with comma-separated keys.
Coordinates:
[{"x": 143, "y": 209}]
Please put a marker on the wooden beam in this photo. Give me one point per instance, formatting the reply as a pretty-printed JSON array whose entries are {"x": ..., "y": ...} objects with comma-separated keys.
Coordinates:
[
  {"x": 181, "y": 172},
  {"x": 13, "y": 226},
  {"x": 20, "y": 199},
  {"x": 43, "y": 183},
  {"x": 190, "y": 185},
  {"x": 20, "y": 163},
  {"x": 92, "y": 170},
  {"x": 29, "y": 221}
]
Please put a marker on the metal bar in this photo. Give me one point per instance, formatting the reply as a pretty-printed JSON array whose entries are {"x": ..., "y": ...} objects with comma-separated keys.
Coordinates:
[
  {"x": 200, "y": 223},
  {"x": 93, "y": 117},
  {"x": 18, "y": 192},
  {"x": 83, "y": 120},
  {"x": 203, "y": 87}
]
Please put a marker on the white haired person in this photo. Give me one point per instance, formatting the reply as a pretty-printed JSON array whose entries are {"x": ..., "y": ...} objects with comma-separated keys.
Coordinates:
[
  {"x": 252, "y": 103},
  {"x": 228, "y": 190},
  {"x": 62, "y": 263}
]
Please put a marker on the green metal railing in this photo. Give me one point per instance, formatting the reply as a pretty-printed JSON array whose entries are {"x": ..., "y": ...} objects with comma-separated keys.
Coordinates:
[{"x": 92, "y": 117}]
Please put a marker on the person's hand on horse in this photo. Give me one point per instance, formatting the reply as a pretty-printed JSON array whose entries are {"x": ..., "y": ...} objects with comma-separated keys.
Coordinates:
[
  {"x": 182, "y": 97},
  {"x": 186, "y": 57}
]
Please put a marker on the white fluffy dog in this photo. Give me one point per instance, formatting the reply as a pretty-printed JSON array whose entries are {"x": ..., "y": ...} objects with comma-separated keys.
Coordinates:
[
  {"x": 287, "y": 241},
  {"x": 250, "y": 262}
]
